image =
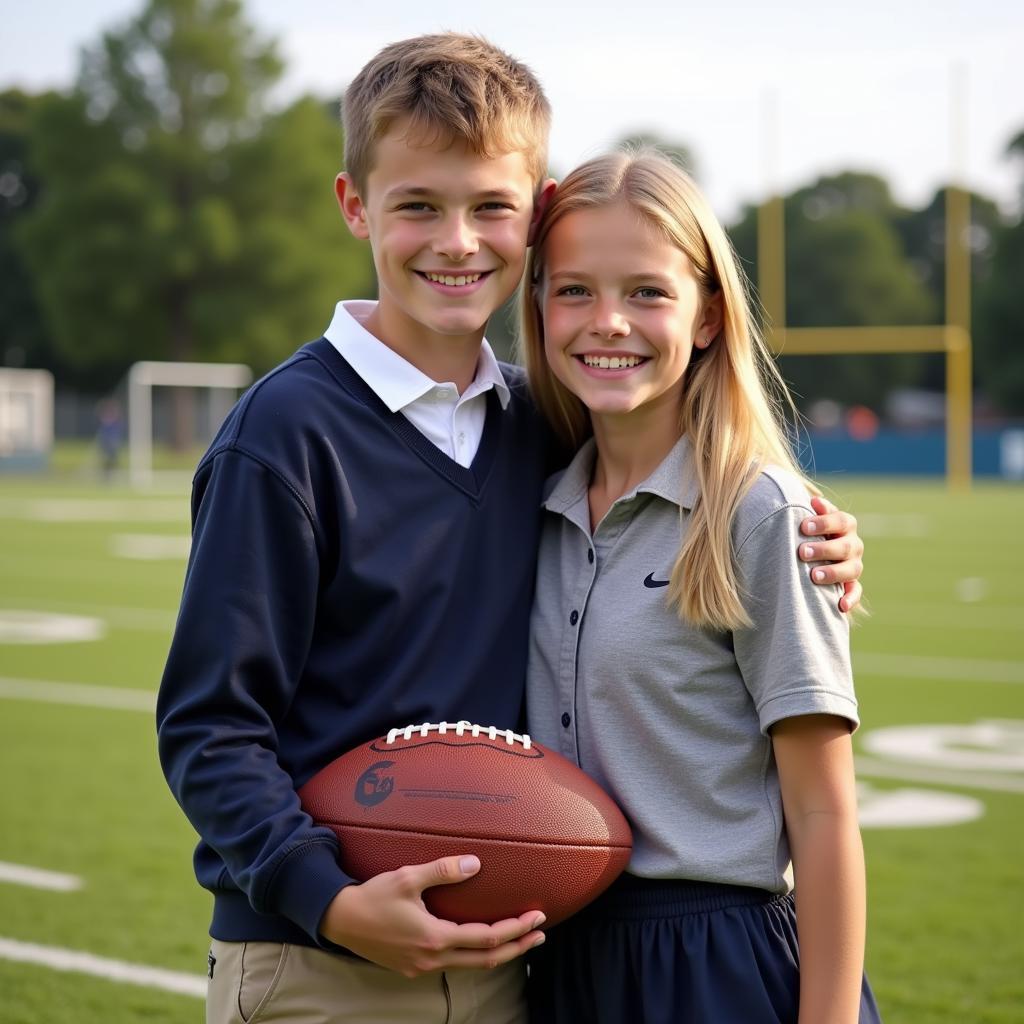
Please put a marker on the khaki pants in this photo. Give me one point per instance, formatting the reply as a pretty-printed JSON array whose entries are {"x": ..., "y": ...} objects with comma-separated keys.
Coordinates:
[{"x": 256, "y": 982}]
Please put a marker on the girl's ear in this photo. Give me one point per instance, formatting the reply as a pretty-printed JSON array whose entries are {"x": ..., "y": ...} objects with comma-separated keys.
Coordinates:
[{"x": 710, "y": 323}]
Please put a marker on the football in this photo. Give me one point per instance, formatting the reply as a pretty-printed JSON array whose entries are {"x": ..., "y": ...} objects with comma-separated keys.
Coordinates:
[{"x": 548, "y": 837}]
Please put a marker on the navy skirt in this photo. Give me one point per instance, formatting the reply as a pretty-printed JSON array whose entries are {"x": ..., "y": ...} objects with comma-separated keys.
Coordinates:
[{"x": 669, "y": 952}]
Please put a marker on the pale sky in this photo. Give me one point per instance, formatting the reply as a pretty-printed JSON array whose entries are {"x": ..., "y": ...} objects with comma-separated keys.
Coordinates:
[{"x": 766, "y": 94}]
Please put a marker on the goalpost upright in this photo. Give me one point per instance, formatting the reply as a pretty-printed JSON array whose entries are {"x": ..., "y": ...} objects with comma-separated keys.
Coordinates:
[{"x": 952, "y": 337}]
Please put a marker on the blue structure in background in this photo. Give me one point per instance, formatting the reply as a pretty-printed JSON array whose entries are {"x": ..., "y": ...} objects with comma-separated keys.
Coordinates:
[{"x": 995, "y": 453}]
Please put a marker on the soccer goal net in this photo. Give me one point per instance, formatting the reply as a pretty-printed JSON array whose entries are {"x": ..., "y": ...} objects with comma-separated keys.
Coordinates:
[
  {"x": 176, "y": 407},
  {"x": 26, "y": 418}
]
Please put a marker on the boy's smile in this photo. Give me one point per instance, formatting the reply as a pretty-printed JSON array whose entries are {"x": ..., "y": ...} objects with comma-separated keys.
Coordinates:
[{"x": 449, "y": 230}]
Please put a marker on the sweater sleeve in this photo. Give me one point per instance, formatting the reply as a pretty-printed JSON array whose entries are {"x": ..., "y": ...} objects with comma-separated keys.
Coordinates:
[{"x": 236, "y": 658}]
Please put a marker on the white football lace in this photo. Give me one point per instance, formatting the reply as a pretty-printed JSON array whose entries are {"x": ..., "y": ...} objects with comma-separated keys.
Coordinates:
[{"x": 460, "y": 729}]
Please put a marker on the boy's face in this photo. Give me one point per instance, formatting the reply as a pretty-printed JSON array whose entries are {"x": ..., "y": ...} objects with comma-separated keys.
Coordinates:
[{"x": 448, "y": 229}]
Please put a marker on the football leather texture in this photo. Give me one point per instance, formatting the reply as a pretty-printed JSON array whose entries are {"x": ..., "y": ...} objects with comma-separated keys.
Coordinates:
[{"x": 548, "y": 837}]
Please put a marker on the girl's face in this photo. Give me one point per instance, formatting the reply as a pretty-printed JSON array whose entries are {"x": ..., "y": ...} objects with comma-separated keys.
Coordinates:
[{"x": 622, "y": 311}]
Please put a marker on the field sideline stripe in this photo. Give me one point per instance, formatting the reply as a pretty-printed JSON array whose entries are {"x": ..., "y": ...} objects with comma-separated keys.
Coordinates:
[
  {"x": 1002, "y": 618},
  {"x": 971, "y": 670},
  {"x": 38, "y": 878},
  {"x": 123, "y": 618},
  {"x": 78, "y": 694},
  {"x": 879, "y": 769},
  {"x": 100, "y": 967}
]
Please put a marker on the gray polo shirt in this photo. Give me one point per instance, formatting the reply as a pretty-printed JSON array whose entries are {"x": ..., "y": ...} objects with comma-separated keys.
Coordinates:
[{"x": 670, "y": 719}]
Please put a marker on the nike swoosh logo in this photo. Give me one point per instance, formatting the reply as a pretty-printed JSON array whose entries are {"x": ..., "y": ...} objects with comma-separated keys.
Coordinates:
[{"x": 651, "y": 582}]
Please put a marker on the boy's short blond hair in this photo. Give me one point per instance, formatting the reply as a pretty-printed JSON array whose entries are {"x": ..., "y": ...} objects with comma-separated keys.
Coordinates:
[{"x": 451, "y": 88}]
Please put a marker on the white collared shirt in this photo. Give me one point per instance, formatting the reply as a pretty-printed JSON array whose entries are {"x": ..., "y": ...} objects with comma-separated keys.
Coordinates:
[{"x": 452, "y": 422}]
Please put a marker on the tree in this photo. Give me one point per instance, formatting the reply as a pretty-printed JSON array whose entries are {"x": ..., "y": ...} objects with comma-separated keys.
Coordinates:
[
  {"x": 24, "y": 339},
  {"x": 181, "y": 217},
  {"x": 845, "y": 266},
  {"x": 999, "y": 351},
  {"x": 924, "y": 239}
]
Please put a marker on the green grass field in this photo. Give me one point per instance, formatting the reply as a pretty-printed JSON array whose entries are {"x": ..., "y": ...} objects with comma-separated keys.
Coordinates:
[{"x": 83, "y": 795}]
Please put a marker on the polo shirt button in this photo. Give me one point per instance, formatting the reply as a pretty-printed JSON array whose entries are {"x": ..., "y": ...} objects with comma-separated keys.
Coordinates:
[
  {"x": 574, "y": 617},
  {"x": 566, "y": 719},
  {"x": 590, "y": 555}
]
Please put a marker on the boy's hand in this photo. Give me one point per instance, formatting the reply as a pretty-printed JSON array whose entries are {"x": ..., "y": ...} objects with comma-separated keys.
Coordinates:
[
  {"x": 839, "y": 545},
  {"x": 386, "y": 921}
]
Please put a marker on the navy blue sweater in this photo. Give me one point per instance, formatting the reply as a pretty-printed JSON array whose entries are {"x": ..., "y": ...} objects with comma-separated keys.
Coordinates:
[{"x": 346, "y": 577}]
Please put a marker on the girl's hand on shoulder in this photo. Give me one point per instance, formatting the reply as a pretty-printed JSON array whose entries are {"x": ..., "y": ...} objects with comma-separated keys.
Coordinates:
[{"x": 836, "y": 551}]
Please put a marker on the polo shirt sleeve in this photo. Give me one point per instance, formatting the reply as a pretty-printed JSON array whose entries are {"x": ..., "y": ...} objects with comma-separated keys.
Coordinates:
[{"x": 795, "y": 658}]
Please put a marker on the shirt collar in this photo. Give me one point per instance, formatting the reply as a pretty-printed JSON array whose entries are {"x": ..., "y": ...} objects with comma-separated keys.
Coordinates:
[
  {"x": 393, "y": 379},
  {"x": 675, "y": 480}
]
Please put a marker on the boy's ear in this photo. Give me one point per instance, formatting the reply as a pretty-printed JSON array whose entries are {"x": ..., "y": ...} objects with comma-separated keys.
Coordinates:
[
  {"x": 710, "y": 325},
  {"x": 540, "y": 204},
  {"x": 351, "y": 205}
]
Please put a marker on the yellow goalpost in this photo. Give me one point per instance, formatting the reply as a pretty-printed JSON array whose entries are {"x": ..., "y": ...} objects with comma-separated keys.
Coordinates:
[{"x": 953, "y": 337}]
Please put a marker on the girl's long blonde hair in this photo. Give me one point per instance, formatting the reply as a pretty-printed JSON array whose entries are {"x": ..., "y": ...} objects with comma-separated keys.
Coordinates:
[{"x": 734, "y": 398}]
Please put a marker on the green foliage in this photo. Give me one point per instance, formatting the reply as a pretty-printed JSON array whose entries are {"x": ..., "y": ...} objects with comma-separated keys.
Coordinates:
[
  {"x": 999, "y": 308},
  {"x": 24, "y": 340},
  {"x": 165, "y": 209},
  {"x": 924, "y": 238},
  {"x": 845, "y": 264},
  {"x": 181, "y": 218},
  {"x": 854, "y": 257},
  {"x": 849, "y": 269}
]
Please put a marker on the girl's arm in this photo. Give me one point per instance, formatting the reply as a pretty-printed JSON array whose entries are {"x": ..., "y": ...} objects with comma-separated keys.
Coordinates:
[{"x": 814, "y": 754}]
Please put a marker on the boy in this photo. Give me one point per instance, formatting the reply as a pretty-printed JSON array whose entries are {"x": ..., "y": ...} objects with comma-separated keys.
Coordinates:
[{"x": 364, "y": 533}]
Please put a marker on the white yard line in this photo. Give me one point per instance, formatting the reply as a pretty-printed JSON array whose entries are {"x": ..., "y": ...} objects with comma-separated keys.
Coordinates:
[
  {"x": 78, "y": 694},
  {"x": 95, "y": 510},
  {"x": 998, "y": 618},
  {"x": 143, "y": 619},
  {"x": 879, "y": 769},
  {"x": 151, "y": 547},
  {"x": 30, "y": 626},
  {"x": 893, "y": 524},
  {"x": 914, "y": 666},
  {"x": 38, "y": 878},
  {"x": 100, "y": 967}
]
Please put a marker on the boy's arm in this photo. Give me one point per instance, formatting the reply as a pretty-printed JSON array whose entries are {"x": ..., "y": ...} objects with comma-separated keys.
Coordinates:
[
  {"x": 815, "y": 761},
  {"x": 837, "y": 550},
  {"x": 238, "y": 652}
]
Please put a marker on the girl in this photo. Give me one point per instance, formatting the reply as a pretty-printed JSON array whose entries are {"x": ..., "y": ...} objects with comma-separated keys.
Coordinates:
[{"x": 677, "y": 655}]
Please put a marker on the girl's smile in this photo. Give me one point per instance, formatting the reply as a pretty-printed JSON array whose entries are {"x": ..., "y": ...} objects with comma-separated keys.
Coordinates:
[{"x": 602, "y": 363}]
